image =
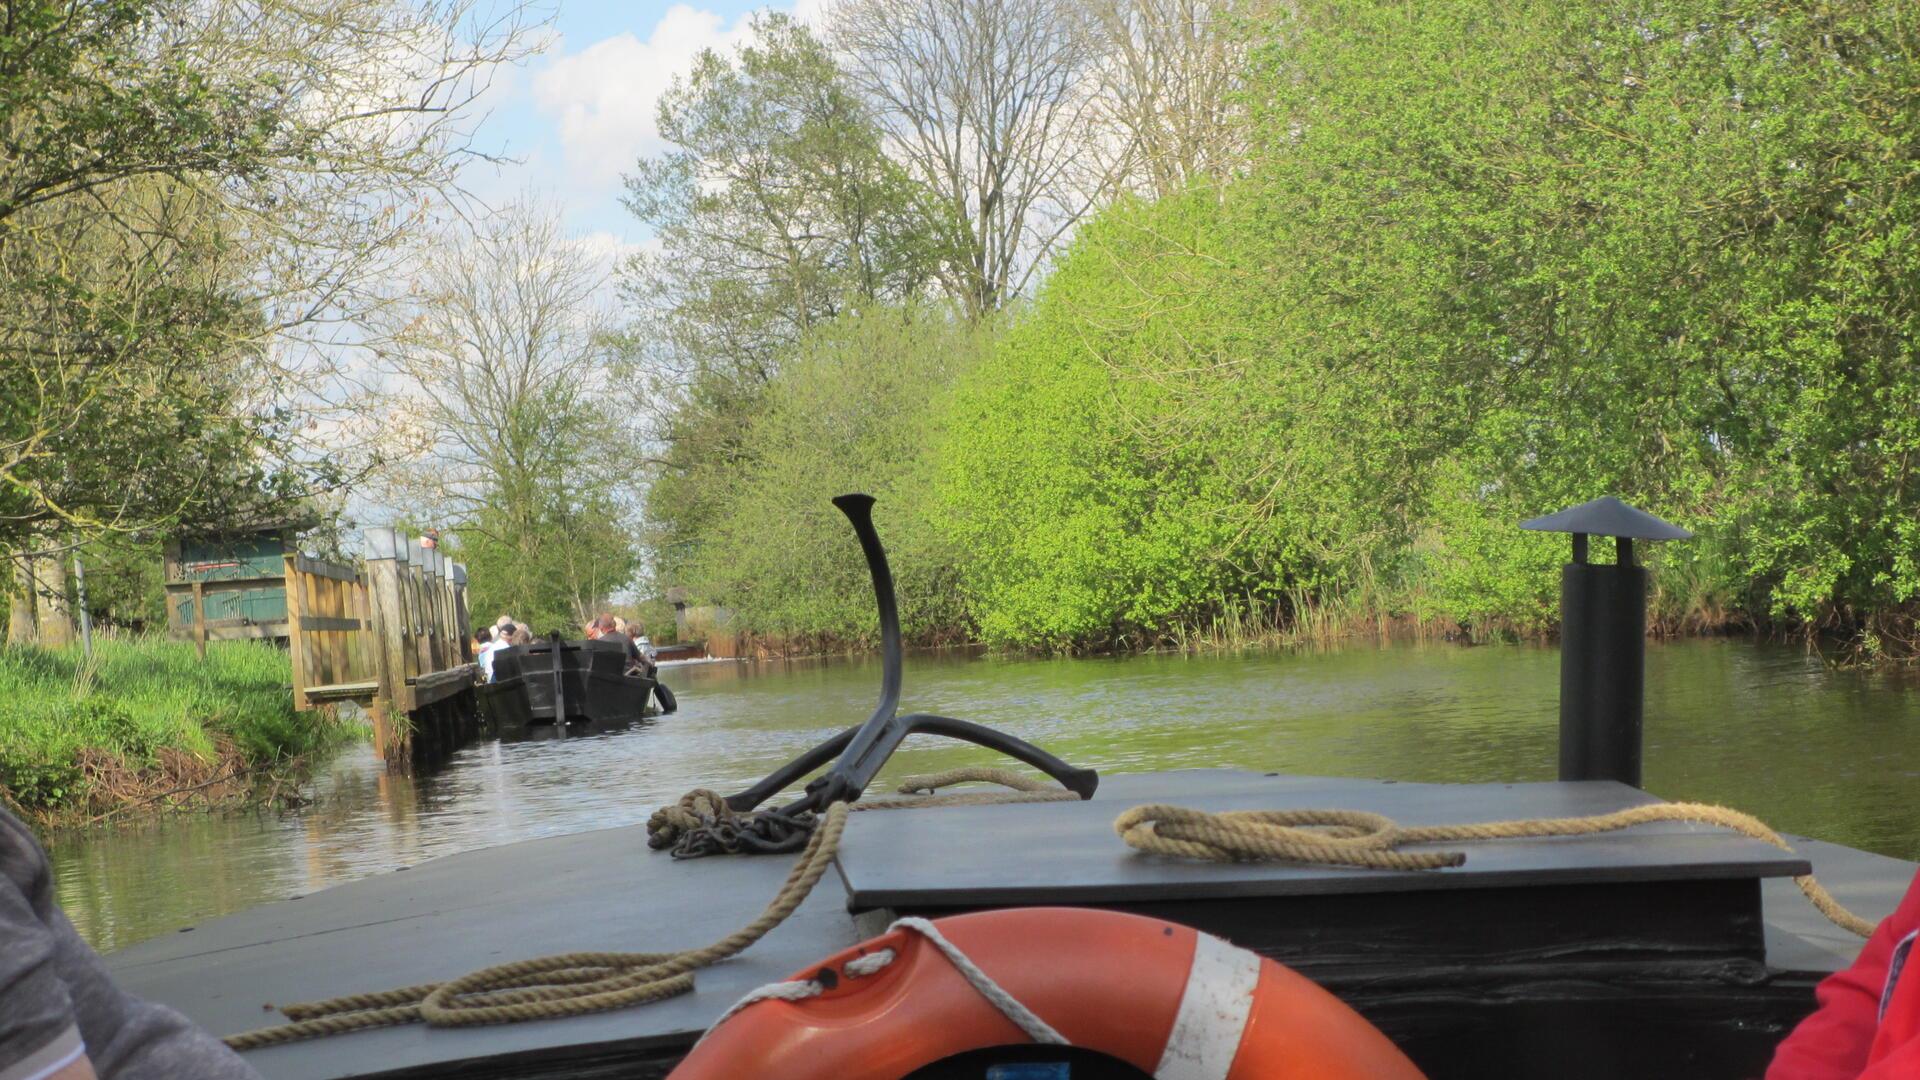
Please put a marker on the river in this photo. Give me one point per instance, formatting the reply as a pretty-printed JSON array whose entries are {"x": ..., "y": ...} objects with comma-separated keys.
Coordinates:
[{"x": 1765, "y": 728}]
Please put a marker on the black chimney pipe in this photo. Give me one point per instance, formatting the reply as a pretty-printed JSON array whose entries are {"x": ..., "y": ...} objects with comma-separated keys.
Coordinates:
[{"x": 1603, "y": 640}]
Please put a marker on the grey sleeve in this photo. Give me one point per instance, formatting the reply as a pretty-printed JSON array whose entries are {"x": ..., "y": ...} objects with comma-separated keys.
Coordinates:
[
  {"x": 127, "y": 1038},
  {"x": 37, "y": 1025}
]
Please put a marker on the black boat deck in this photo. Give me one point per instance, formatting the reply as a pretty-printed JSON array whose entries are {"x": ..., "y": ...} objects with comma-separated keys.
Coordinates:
[{"x": 606, "y": 891}]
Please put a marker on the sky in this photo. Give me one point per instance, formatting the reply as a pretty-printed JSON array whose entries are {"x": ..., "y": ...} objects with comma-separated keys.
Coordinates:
[{"x": 577, "y": 116}]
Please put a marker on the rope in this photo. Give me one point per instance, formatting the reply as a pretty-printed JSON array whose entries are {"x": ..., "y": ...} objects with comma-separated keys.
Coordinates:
[
  {"x": 1023, "y": 1018},
  {"x": 573, "y": 984},
  {"x": 1358, "y": 838},
  {"x": 569, "y": 984},
  {"x": 874, "y": 962},
  {"x": 702, "y": 823}
]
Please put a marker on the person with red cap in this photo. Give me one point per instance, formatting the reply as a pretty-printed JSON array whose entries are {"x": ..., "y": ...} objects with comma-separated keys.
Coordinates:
[{"x": 1867, "y": 1023}]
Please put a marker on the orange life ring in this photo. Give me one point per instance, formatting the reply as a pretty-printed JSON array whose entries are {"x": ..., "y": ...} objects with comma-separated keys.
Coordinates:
[{"x": 1172, "y": 1002}]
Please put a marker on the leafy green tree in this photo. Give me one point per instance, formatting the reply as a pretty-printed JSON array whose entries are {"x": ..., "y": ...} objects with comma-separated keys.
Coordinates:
[
  {"x": 519, "y": 419},
  {"x": 1649, "y": 249},
  {"x": 858, "y": 408},
  {"x": 191, "y": 195},
  {"x": 776, "y": 211},
  {"x": 129, "y": 402},
  {"x": 1485, "y": 262},
  {"x": 1154, "y": 446}
]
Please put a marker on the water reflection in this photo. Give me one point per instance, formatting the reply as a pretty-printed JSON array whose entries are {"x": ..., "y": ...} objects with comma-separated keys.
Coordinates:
[{"x": 1763, "y": 728}]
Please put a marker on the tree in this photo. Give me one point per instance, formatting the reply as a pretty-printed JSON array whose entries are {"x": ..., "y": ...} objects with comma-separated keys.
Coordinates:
[
  {"x": 1652, "y": 249},
  {"x": 986, "y": 103},
  {"x": 200, "y": 205},
  {"x": 1170, "y": 80},
  {"x": 859, "y": 407},
  {"x": 776, "y": 212},
  {"x": 1483, "y": 263},
  {"x": 518, "y": 417}
]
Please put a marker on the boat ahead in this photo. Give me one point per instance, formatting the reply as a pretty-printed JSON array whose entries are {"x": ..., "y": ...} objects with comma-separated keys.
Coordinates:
[{"x": 564, "y": 682}]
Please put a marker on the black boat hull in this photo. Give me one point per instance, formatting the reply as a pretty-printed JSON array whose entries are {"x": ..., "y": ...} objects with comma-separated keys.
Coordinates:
[{"x": 590, "y": 688}]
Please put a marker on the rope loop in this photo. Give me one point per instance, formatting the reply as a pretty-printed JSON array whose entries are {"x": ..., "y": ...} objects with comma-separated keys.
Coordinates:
[
  {"x": 1360, "y": 838},
  {"x": 1329, "y": 837}
]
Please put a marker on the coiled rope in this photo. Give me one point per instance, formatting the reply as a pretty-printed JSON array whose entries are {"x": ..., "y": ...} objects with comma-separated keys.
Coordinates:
[
  {"x": 1359, "y": 838},
  {"x": 574, "y": 984}
]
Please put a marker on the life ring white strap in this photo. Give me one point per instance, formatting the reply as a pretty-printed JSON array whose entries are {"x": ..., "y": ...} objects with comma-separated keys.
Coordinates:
[{"x": 1213, "y": 1012}]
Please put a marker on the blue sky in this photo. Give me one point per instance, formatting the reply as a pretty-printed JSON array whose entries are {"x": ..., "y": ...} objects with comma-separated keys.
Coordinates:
[{"x": 578, "y": 115}]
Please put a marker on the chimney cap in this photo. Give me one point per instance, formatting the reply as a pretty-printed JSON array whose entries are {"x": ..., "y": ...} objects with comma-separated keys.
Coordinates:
[{"x": 1608, "y": 516}]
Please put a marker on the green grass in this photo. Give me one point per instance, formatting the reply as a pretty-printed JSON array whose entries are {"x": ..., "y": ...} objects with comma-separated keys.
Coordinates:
[{"x": 137, "y": 698}]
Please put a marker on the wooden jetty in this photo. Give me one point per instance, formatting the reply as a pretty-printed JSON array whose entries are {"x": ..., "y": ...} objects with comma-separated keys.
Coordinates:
[
  {"x": 1665, "y": 950},
  {"x": 391, "y": 634}
]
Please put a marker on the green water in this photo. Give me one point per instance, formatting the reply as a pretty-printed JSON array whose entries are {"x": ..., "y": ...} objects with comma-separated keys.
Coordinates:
[{"x": 1768, "y": 729}]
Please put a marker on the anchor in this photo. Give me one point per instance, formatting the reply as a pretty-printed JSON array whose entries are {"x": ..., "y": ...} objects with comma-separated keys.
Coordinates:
[{"x": 863, "y": 749}]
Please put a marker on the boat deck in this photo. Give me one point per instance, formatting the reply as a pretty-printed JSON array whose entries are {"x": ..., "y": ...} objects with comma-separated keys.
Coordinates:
[{"x": 606, "y": 890}]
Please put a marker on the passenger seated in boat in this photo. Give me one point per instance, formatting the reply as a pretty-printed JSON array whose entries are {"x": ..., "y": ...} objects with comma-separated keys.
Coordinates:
[
  {"x": 603, "y": 628},
  {"x": 61, "y": 1016},
  {"x": 520, "y": 636},
  {"x": 639, "y": 635},
  {"x": 502, "y": 639},
  {"x": 1867, "y": 1025}
]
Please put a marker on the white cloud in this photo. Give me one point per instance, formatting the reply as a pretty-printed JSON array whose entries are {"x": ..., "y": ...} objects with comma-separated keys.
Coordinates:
[
  {"x": 813, "y": 13},
  {"x": 605, "y": 96},
  {"x": 609, "y": 251}
]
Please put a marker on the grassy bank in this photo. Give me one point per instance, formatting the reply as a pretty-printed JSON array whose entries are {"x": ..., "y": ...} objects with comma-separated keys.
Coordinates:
[{"x": 146, "y": 725}]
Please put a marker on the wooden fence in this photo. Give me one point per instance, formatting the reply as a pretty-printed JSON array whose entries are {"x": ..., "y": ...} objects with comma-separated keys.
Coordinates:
[{"x": 391, "y": 634}]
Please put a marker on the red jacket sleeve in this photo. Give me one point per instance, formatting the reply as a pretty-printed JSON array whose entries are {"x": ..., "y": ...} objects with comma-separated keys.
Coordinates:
[
  {"x": 1902, "y": 1064},
  {"x": 1832, "y": 1043}
]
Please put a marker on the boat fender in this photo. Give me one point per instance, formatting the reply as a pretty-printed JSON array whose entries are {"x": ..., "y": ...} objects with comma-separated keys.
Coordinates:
[
  {"x": 664, "y": 696},
  {"x": 1169, "y": 1000}
]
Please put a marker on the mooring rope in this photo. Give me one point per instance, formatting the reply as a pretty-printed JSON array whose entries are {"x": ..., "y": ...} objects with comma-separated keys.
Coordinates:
[
  {"x": 574, "y": 984},
  {"x": 1358, "y": 838}
]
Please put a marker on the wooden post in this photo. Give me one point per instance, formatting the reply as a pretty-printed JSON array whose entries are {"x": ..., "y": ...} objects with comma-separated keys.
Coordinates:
[
  {"x": 315, "y": 650},
  {"x": 422, "y": 613},
  {"x": 450, "y": 644},
  {"x": 296, "y": 637},
  {"x": 200, "y": 618},
  {"x": 380, "y": 713},
  {"x": 366, "y": 640},
  {"x": 386, "y": 573},
  {"x": 463, "y": 620}
]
